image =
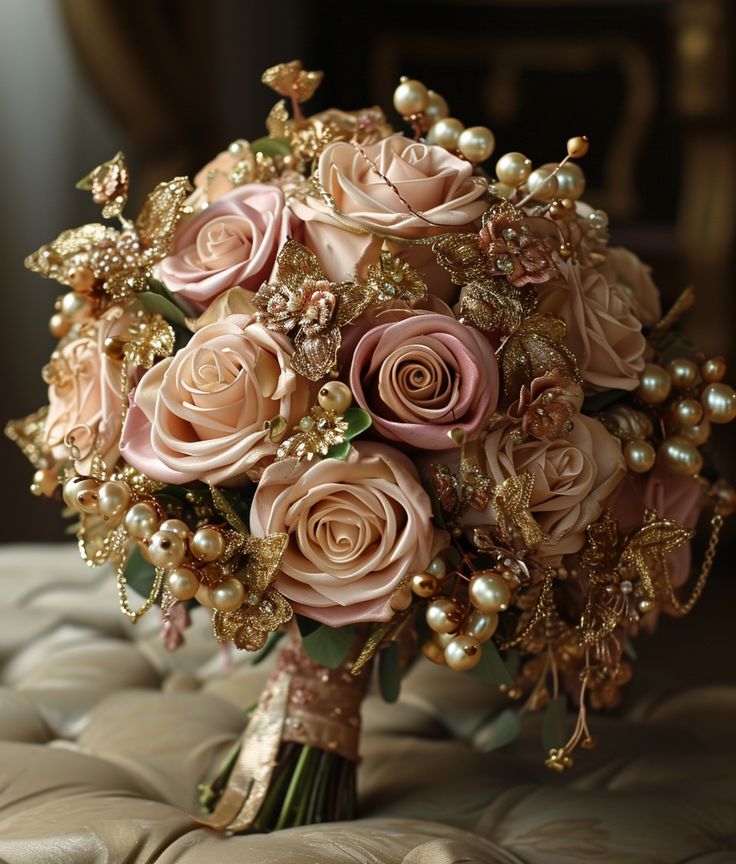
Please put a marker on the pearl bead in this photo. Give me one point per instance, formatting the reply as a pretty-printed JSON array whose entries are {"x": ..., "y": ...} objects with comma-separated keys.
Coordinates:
[
  {"x": 87, "y": 497},
  {"x": 58, "y": 325},
  {"x": 444, "y": 615},
  {"x": 436, "y": 107},
  {"x": 114, "y": 498},
  {"x": 335, "y": 396},
  {"x": 542, "y": 185},
  {"x": 410, "y": 97},
  {"x": 445, "y": 133},
  {"x": 513, "y": 168},
  {"x": 646, "y": 605},
  {"x": 476, "y": 143},
  {"x": 570, "y": 181},
  {"x": 481, "y": 625},
  {"x": 141, "y": 520},
  {"x": 680, "y": 456},
  {"x": 577, "y": 146},
  {"x": 683, "y": 372},
  {"x": 719, "y": 403},
  {"x": 688, "y": 412},
  {"x": 176, "y": 526},
  {"x": 401, "y": 599},
  {"x": 437, "y": 568},
  {"x": 434, "y": 652},
  {"x": 714, "y": 369},
  {"x": 726, "y": 498},
  {"x": 166, "y": 550},
  {"x": 44, "y": 482},
  {"x": 424, "y": 585},
  {"x": 639, "y": 456},
  {"x": 228, "y": 595},
  {"x": 489, "y": 592},
  {"x": 75, "y": 307},
  {"x": 183, "y": 583},
  {"x": 698, "y": 434},
  {"x": 72, "y": 486},
  {"x": 204, "y": 596},
  {"x": 501, "y": 190},
  {"x": 654, "y": 385},
  {"x": 207, "y": 544},
  {"x": 463, "y": 653}
]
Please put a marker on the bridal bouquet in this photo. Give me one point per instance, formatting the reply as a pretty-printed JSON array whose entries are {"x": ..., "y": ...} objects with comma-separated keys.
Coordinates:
[{"x": 351, "y": 389}]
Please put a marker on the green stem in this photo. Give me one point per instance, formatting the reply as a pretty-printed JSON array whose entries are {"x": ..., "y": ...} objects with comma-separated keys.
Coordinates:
[{"x": 293, "y": 789}]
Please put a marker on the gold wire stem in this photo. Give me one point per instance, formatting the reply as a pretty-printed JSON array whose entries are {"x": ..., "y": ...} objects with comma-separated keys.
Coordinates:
[
  {"x": 705, "y": 569},
  {"x": 134, "y": 615}
]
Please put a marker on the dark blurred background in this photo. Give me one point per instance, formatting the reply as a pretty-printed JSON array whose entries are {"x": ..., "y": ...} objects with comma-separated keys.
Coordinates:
[{"x": 171, "y": 82}]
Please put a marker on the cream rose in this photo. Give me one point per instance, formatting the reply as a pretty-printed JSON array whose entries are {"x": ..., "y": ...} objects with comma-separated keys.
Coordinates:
[
  {"x": 199, "y": 415},
  {"x": 233, "y": 242},
  {"x": 626, "y": 270},
  {"x": 423, "y": 376},
  {"x": 602, "y": 331},
  {"x": 85, "y": 400},
  {"x": 357, "y": 528},
  {"x": 573, "y": 477},
  {"x": 438, "y": 187}
]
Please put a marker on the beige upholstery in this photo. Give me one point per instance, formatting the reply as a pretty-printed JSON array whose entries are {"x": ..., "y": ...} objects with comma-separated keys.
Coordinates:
[{"x": 104, "y": 737}]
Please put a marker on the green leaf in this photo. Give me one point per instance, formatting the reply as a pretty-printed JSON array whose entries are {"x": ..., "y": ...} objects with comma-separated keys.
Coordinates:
[
  {"x": 503, "y": 730},
  {"x": 554, "y": 725},
  {"x": 306, "y": 625},
  {"x": 512, "y": 661},
  {"x": 340, "y": 451},
  {"x": 272, "y": 641},
  {"x": 139, "y": 574},
  {"x": 161, "y": 305},
  {"x": 358, "y": 421},
  {"x": 226, "y": 508},
  {"x": 599, "y": 401},
  {"x": 491, "y": 666},
  {"x": 271, "y": 146},
  {"x": 389, "y": 672},
  {"x": 328, "y": 646}
]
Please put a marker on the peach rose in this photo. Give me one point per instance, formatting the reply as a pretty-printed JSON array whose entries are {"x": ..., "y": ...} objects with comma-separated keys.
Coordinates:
[
  {"x": 233, "y": 242},
  {"x": 199, "y": 415},
  {"x": 573, "y": 478},
  {"x": 623, "y": 268},
  {"x": 357, "y": 528},
  {"x": 423, "y": 376},
  {"x": 602, "y": 332},
  {"x": 85, "y": 400},
  {"x": 430, "y": 180},
  {"x": 215, "y": 179}
]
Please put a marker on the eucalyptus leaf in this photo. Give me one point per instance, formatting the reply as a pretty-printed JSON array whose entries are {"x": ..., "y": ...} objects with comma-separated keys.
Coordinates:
[
  {"x": 328, "y": 646},
  {"x": 139, "y": 574},
  {"x": 160, "y": 305},
  {"x": 503, "y": 730},
  {"x": 491, "y": 667},
  {"x": 389, "y": 672},
  {"x": 271, "y": 146},
  {"x": 554, "y": 724},
  {"x": 358, "y": 421},
  {"x": 340, "y": 451}
]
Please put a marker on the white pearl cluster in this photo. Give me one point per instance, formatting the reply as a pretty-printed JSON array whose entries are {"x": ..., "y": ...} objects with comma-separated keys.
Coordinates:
[
  {"x": 429, "y": 111},
  {"x": 564, "y": 180},
  {"x": 169, "y": 544}
]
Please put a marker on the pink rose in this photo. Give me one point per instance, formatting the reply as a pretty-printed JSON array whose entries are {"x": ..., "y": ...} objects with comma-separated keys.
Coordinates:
[
  {"x": 422, "y": 376},
  {"x": 199, "y": 415},
  {"x": 215, "y": 179},
  {"x": 431, "y": 181},
  {"x": 573, "y": 478},
  {"x": 233, "y": 242},
  {"x": 602, "y": 332},
  {"x": 85, "y": 400},
  {"x": 357, "y": 528},
  {"x": 623, "y": 268}
]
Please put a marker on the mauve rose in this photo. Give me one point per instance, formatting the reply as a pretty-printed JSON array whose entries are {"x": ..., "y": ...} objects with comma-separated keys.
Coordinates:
[
  {"x": 573, "y": 478},
  {"x": 602, "y": 332},
  {"x": 84, "y": 393},
  {"x": 624, "y": 268},
  {"x": 233, "y": 242},
  {"x": 434, "y": 183},
  {"x": 199, "y": 415},
  {"x": 422, "y": 376},
  {"x": 357, "y": 528}
]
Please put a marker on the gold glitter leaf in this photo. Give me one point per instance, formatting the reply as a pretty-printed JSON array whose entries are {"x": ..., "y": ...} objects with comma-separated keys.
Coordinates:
[
  {"x": 292, "y": 80},
  {"x": 394, "y": 279},
  {"x": 533, "y": 349},
  {"x": 29, "y": 434},
  {"x": 511, "y": 501},
  {"x": 152, "y": 338},
  {"x": 278, "y": 123},
  {"x": 108, "y": 184},
  {"x": 494, "y": 304},
  {"x": 54, "y": 259},
  {"x": 160, "y": 215},
  {"x": 461, "y": 255}
]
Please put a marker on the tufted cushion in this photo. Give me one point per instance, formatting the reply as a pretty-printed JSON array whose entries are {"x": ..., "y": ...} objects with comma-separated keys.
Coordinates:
[{"x": 104, "y": 737}]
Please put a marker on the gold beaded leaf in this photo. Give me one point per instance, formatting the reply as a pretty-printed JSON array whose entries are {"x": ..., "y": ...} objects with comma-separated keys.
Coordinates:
[
  {"x": 393, "y": 279},
  {"x": 151, "y": 338},
  {"x": 248, "y": 627},
  {"x": 494, "y": 304},
  {"x": 108, "y": 184},
  {"x": 54, "y": 260},
  {"x": 511, "y": 501},
  {"x": 316, "y": 433},
  {"x": 292, "y": 80},
  {"x": 534, "y": 348},
  {"x": 29, "y": 434}
]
